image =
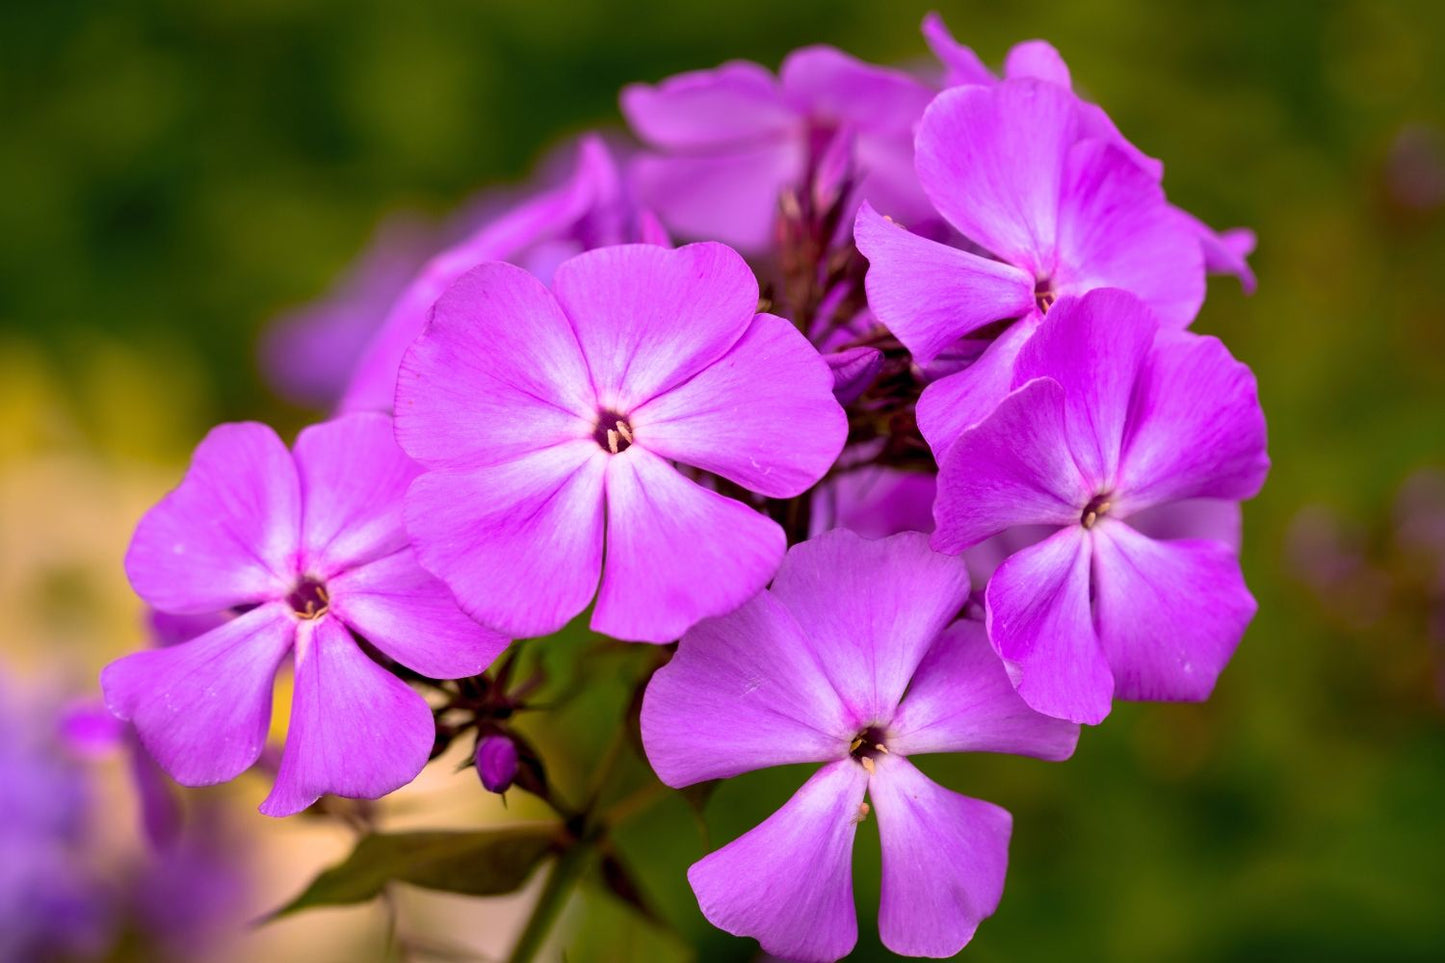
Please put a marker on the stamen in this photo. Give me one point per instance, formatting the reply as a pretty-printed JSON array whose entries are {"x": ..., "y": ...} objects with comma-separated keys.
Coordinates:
[
  {"x": 867, "y": 763},
  {"x": 1044, "y": 296},
  {"x": 863, "y": 810},
  {"x": 625, "y": 430},
  {"x": 612, "y": 440},
  {"x": 1097, "y": 508},
  {"x": 612, "y": 432},
  {"x": 309, "y": 599},
  {"x": 866, "y": 746}
]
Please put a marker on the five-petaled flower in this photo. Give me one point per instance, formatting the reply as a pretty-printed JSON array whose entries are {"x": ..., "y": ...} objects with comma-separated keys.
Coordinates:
[
  {"x": 308, "y": 547},
  {"x": 548, "y": 418},
  {"x": 1110, "y": 416},
  {"x": 853, "y": 659}
]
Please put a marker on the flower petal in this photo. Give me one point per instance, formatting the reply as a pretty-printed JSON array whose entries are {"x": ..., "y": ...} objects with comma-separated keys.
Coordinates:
[
  {"x": 228, "y": 534},
  {"x": 1217, "y": 519},
  {"x": 356, "y": 729},
  {"x": 519, "y": 544},
  {"x": 875, "y": 502},
  {"x": 1013, "y": 468},
  {"x": 854, "y": 371},
  {"x": 961, "y": 700},
  {"x": 731, "y": 196},
  {"x": 411, "y": 616},
  {"x": 961, "y": 64},
  {"x": 929, "y": 294},
  {"x": 736, "y": 102},
  {"x": 872, "y": 609},
  {"x": 1195, "y": 427},
  {"x": 497, "y": 374},
  {"x": 1037, "y": 59},
  {"x": 649, "y": 317},
  {"x": 202, "y": 708},
  {"x": 1169, "y": 613},
  {"x": 829, "y": 85},
  {"x": 1039, "y": 622},
  {"x": 745, "y": 691},
  {"x": 1094, "y": 347},
  {"x": 1115, "y": 229},
  {"x": 763, "y": 415},
  {"x": 677, "y": 553},
  {"x": 944, "y": 861},
  {"x": 788, "y": 883},
  {"x": 353, "y": 477},
  {"x": 992, "y": 161},
  {"x": 954, "y": 403},
  {"x": 1226, "y": 252}
]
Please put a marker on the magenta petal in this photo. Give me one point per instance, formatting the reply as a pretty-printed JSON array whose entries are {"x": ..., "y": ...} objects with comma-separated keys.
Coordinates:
[
  {"x": 519, "y": 544},
  {"x": 1196, "y": 429},
  {"x": 1013, "y": 468},
  {"x": 1169, "y": 613},
  {"x": 944, "y": 861},
  {"x": 929, "y": 294},
  {"x": 676, "y": 552},
  {"x": 737, "y": 102},
  {"x": 961, "y": 700},
  {"x": 992, "y": 161},
  {"x": 1093, "y": 346},
  {"x": 731, "y": 196},
  {"x": 763, "y": 415},
  {"x": 954, "y": 403},
  {"x": 788, "y": 883},
  {"x": 1039, "y": 622},
  {"x": 1039, "y": 60},
  {"x": 1116, "y": 230},
  {"x": 648, "y": 317},
  {"x": 353, "y": 477},
  {"x": 1217, "y": 519},
  {"x": 410, "y": 615},
  {"x": 961, "y": 65},
  {"x": 228, "y": 534},
  {"x": 745, "y": 691},
  {"x": 876, "y": 502},
  {"x": 356, "y": 729},
  {"x": 202, "y": 708},
  {"x": 498, "y": 374},
  {"x": 874, "y": 608},
  {"x": 1226, "y": 252},
  {"x": 825, "y": 82},
  {"x": 854, "y": 371}
]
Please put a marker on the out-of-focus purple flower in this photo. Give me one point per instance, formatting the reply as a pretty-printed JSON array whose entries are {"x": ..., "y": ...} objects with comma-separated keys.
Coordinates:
[
  {"x": 1109, "y": 416},
  {"x": 591, "y": 208},
  {"x": 1062, "y": 214},
  {"x": 1225, "y": 252},
  {"x": 89, "y": 730},
  {"x": 309, "y": 547},
  {"x": 728, "y": 142},
  {"x": 308, "y": 354},
  {"x": 49, "y": 906},
  {"x": 496, "y": 759},
  {"x": 850, "y": 660},
  {"x": 875, "y": 502},
  {"x": 544, "y": 414}
]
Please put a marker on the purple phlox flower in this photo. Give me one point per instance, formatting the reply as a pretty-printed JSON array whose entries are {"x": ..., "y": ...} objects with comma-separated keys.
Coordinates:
[
  {"x": 1062, "y": 213},
  {"x": 590, "y": 208},
  {"x": 50, "y": 906},
  {"x": 875, "y": 501},
  {"x": 728, "y": 142},
  {"x": 90, "y": 731},
  {"x": 541, "y": 414},
  {"x": 496, "y": 759},
  {"x": 308, "y": 354},
  {"x": 848, "y": 659},
  {"x": 854, "y": 370},
  {"x": 191, "y": 896},
  {"x": 308, "y": 547},
  {"x": 1225, "y": 252},
  {"x": 1110, "y": 415}
]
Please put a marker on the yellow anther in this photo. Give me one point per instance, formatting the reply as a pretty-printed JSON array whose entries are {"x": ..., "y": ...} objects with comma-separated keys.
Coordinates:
[
  {"x": 624, "y": 431},
  {"x": 868, "y": 765},
  {"x": 612, "y": 440},
  {"x": 863, "y": 811}
]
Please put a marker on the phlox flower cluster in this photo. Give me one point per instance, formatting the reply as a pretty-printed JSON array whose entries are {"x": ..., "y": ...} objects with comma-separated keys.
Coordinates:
[{"x": 869, "y": 393}]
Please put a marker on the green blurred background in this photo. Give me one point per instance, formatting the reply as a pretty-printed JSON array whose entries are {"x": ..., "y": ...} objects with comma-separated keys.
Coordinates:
[{"x": 173, "y": 174}]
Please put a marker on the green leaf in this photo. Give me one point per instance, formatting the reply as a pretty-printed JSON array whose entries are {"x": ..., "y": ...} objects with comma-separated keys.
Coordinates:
[{"x": 483, "y": 863}]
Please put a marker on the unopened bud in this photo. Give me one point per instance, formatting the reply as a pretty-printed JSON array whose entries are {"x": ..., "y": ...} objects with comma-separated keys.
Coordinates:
[{"x": 497, "y": 763}]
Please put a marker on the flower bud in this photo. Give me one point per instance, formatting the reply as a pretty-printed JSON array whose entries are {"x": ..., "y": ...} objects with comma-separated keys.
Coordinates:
[{"x": 497, "y": 763}]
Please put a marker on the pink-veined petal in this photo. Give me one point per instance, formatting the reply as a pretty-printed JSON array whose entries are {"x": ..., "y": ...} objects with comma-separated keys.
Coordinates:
[
  {"x": 788, "y": 883},
  {"x": 202, "y": 708},
  {"x": 1039, "y": 621},
  {"x": 228, "y": 534},
  {"x": 738, "y": 102},
  {"x": 961, "y": 700},
  {"x": 1039, "y": 60},
  {"x": 763, "y": 415},
  {"x": 1169, "y": 613},
  {"x": 677, "y": 553},
  {"x": 519, "y": 544},
  {"x": 356, "y": 730},
  {"x": 954, "y": 403},
  {"x": 944, "y": 860}
]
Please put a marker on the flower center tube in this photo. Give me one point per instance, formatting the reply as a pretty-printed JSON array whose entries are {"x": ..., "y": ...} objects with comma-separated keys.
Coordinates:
[
  {"x": 613, "y": 433},
  {"x": 1097, "y": 508},
  {"x": 1044, "y": 296},
  {"x": 309, "y": 599},
  {"x": 866, "y": 746}
]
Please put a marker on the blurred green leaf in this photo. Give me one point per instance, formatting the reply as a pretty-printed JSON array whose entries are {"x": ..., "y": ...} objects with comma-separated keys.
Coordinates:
[{"x": 486, "y": 863}]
